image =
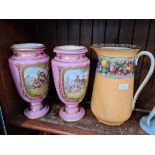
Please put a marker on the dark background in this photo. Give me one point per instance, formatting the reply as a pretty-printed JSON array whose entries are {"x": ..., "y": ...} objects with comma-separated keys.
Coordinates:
[{"x": 2, "y": 123}]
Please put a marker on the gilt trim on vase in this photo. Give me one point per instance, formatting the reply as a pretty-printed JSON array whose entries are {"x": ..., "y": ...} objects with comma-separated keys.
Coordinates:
[
  {"x": 34, "y": 79},
  {"x": 71, "y": 112},
  {"x": 73, "y": 82},
  {"x": 112, "y": 67}
]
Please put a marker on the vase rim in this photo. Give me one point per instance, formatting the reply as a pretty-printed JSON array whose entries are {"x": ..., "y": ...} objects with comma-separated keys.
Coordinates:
[
  {"x": 27, "y": 46},
  {"x": 116, "y": 46},
  {"x": 70, "y": 49}
]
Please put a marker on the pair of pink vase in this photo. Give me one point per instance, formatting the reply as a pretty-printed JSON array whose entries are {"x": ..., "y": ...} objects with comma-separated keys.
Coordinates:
[{"x": 30, "y": 70}]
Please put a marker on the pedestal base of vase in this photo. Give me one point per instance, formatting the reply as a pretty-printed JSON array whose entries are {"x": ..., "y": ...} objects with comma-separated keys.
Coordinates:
[
  {"x": 148, "y": 129},
  {"x": 34, "y": 114},
  {"x": 71, "y": 116}
]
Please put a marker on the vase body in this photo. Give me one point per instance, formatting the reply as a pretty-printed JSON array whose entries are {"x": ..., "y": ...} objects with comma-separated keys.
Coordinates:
[
  {"x": 29, "y": 66},
  {"x": 70, "y": 69},
  {"x": 112, "y": 97}
]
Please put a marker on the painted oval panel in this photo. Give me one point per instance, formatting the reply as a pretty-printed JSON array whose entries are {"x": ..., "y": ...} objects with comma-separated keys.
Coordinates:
[
  {"x": 36, "y": 80},
  {"x": 75, "y": 82}
]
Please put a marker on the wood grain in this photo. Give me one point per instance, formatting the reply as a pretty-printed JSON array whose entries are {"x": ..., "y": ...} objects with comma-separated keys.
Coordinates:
[
  {"x": 52, "y": 123},
  {"x": 99, "y": 28},
  {"x": 86, "y": 35},
  {"x": 86, "y": 40},
  {"x": 112, "y": 31},
  {"x": 141, "y": 31},
  {"x": 147, "y": 96},
  {"x": 74, "y": 32},
  {"x": 126, "y": 31},
  {"x": 8, "y": 93},
  {"x": 62, "y": 32}
]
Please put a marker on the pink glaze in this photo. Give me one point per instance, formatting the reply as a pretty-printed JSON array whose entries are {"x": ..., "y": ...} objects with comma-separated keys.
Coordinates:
[
  {"x": 70, "y": 69},
  {"x": 27, "y": 64}
]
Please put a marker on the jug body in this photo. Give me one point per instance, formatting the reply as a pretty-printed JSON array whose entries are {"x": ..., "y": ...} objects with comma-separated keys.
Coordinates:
[{"x": 112, "y": 95}]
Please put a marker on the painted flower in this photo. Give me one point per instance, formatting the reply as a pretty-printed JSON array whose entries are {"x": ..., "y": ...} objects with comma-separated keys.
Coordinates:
[
  {"x": 125, "y": 72},
  {"x": 108, "y": 66},
  {"x": 120, "y": 72},
  {"x": 128, "y": 63},
  {"x": 113, "y": 69},
  {"x": 104, "y": 63},
  {"x": 99, "y": 67},
  {"x": 128, "y": 68}
]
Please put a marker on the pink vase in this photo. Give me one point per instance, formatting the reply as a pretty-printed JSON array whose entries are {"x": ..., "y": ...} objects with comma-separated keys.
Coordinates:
[
  {"x": 70, "y": 69},
  {"x": 29, "y": 66}
]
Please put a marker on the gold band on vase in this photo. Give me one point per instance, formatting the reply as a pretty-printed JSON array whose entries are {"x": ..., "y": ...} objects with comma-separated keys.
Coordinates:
[
  {"x": 69, "y": 57},
  {"x": 72, "y": 106},
  {"x": 71, "y": 112},
  {"x": 26, "y": 54},
  {"x": 35, "y": 110},
  {"x": 36, "y": 103}
]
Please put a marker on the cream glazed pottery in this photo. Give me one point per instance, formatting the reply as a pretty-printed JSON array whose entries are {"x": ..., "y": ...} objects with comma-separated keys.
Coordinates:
[
  {"x": 70, "y": 69},
  {"x": 112, "y": 99},
  {"x": 29, "y": 66}
]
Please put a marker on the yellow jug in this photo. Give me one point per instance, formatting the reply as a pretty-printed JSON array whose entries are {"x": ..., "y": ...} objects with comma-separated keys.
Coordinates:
[{"x": 112, "y": 99}]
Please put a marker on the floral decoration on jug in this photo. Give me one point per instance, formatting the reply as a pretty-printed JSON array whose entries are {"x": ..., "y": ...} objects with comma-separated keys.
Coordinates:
[{"x": 115, "y": 67}]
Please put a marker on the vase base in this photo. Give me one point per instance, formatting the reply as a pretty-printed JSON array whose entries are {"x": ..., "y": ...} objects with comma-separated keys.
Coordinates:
[
  {"x": 36, "y": 114},
  {"x": 72, "y": 117},
  {"x": 108, "y": 123}
]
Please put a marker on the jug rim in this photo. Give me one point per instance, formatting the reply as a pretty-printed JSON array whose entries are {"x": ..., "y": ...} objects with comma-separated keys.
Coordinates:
[{"x": 116, "y": 46}]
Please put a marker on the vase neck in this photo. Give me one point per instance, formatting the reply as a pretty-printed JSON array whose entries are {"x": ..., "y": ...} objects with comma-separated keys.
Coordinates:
[
  {"x": 70, "y": 56},
  {"x": 70, "y": 53},
  {"x": 28, "y": 53}
]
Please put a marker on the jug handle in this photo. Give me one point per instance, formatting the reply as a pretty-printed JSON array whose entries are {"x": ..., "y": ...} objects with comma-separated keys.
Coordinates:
[{"x": 150, "y": 72}]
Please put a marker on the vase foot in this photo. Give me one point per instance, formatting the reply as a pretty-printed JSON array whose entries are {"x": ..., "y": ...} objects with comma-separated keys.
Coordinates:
[
  {"x": 71, "y": 116},
  {"x": 36, "y": 114}
]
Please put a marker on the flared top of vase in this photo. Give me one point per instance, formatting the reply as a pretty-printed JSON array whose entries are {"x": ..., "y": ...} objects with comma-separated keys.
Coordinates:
[
  {"x": 70, "y": 53},
  {"x": 28, "y": 46},
  {"x": 70, "y": 49},
  {"x": 28, "y": 51},
  {"x": 115, "y": 50}
]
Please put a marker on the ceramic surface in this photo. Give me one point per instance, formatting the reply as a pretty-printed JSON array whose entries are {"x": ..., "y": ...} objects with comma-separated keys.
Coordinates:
[
  {"x": 71, "y": 73},
  {"x": 115, "y": 67},
  {"x": 112, "y": 98},
  {"x": 147, "y": 123},
  {"x": 29, "y": 66}
]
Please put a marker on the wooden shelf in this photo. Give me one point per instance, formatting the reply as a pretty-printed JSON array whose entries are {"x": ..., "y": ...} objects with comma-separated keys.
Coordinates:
[{"x": 53, "y": 124}]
